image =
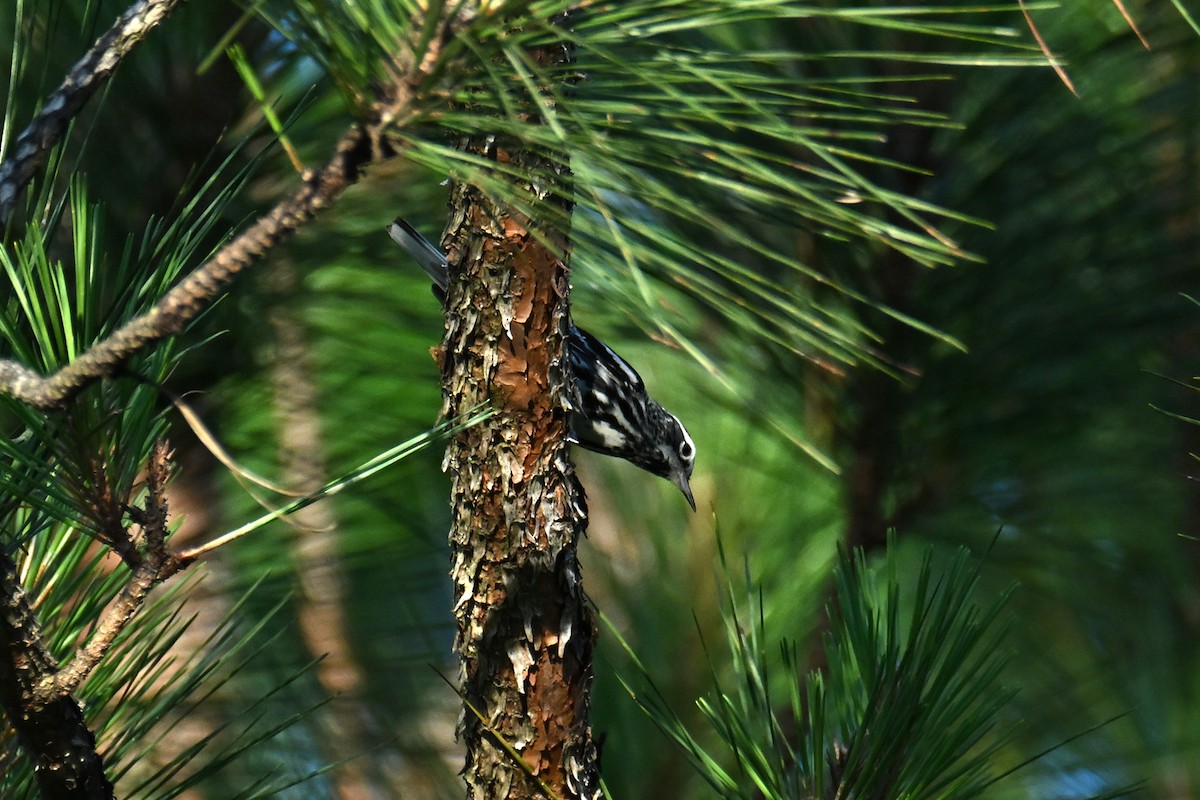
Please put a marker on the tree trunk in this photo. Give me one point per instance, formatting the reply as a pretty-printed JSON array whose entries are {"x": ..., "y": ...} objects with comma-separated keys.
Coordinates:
[
  {"x": 53, "y": 734},
  {"x": 525, "y": 633}
]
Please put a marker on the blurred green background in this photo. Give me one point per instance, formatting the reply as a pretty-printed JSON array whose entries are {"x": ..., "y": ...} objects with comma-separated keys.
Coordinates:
[{"x": 1045, "y": 432}]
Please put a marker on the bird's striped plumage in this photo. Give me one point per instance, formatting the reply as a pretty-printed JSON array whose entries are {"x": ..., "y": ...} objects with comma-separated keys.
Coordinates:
[{"x": 612, "y": 412}]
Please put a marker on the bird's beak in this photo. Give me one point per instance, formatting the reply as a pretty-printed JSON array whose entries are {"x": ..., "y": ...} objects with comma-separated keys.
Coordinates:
[{"x": 681, "y": 480}]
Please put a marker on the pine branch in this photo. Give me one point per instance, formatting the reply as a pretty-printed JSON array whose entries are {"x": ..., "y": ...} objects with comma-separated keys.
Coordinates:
[
  {"x": 153, "y": 567},
  {"x": 183, "y": 303},
  {"x": 153, "y": 570},
  {"x": 88, "y": 74}
]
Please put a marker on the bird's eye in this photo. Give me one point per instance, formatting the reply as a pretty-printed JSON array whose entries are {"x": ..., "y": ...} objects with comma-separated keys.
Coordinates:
[{"x": 685, "y": 450}]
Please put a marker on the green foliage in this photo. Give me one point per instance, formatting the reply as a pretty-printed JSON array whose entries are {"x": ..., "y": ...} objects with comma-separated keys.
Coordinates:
[
  {"x": 75, "y": 478},
  {"x": 748, "y": 184},
  {"x": 677, "y": 131},
  {"x": 53, "y": 312},
  {"x": 157, "y": 672},
  {"x": 907, "y": 707},
  {"x": 69, "y": 478}
]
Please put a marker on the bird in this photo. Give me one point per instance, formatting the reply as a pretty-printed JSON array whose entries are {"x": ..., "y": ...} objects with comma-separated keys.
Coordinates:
[{"x": 612, "y": 412}]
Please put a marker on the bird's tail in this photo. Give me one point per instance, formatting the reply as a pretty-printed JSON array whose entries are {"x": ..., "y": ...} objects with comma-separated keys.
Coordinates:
[{"x": 429, "y": 257}]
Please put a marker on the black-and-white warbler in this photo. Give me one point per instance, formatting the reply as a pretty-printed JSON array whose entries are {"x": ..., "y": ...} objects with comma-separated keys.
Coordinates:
[{"x": 613, "y": 413}]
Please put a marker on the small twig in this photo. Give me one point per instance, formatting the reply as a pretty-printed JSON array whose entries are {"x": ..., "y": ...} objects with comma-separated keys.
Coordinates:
[
  {"x": 107, "y": 514},
  {"x": 181, "y": 304},
  {"x": 371, "y": 467},
  {"x": 156, "y": 565},
  {"x": 212, "y": 444},
  {"x": 35, "y": 142},
  {"x": 158, "y": 472},
  {"x": 151, "y": 572}
]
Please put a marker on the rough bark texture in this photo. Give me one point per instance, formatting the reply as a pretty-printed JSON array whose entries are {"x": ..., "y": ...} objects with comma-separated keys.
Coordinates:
[
  {"x": 525, "y": 633},
  {"x": 52, "y": 733}
]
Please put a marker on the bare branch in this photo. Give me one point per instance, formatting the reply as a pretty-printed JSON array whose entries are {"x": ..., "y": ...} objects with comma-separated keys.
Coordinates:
[
  {"x": 181, "y": 305},
  {"x": 106, "y": 511},
  {"x": 81, "y": 83},
  {"x": 36, "y": 694},
  {"x": 155, "y": 566},
  {"x": 158, "y": 472},
  {"x": 150, "y": 573}
]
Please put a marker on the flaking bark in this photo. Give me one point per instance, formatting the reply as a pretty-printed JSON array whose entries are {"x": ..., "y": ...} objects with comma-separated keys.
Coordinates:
[{"x": 525, "y": 633}]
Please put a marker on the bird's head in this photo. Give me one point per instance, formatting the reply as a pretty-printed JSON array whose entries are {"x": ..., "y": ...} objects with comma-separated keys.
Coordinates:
[{"x": 679, "y": 457}]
